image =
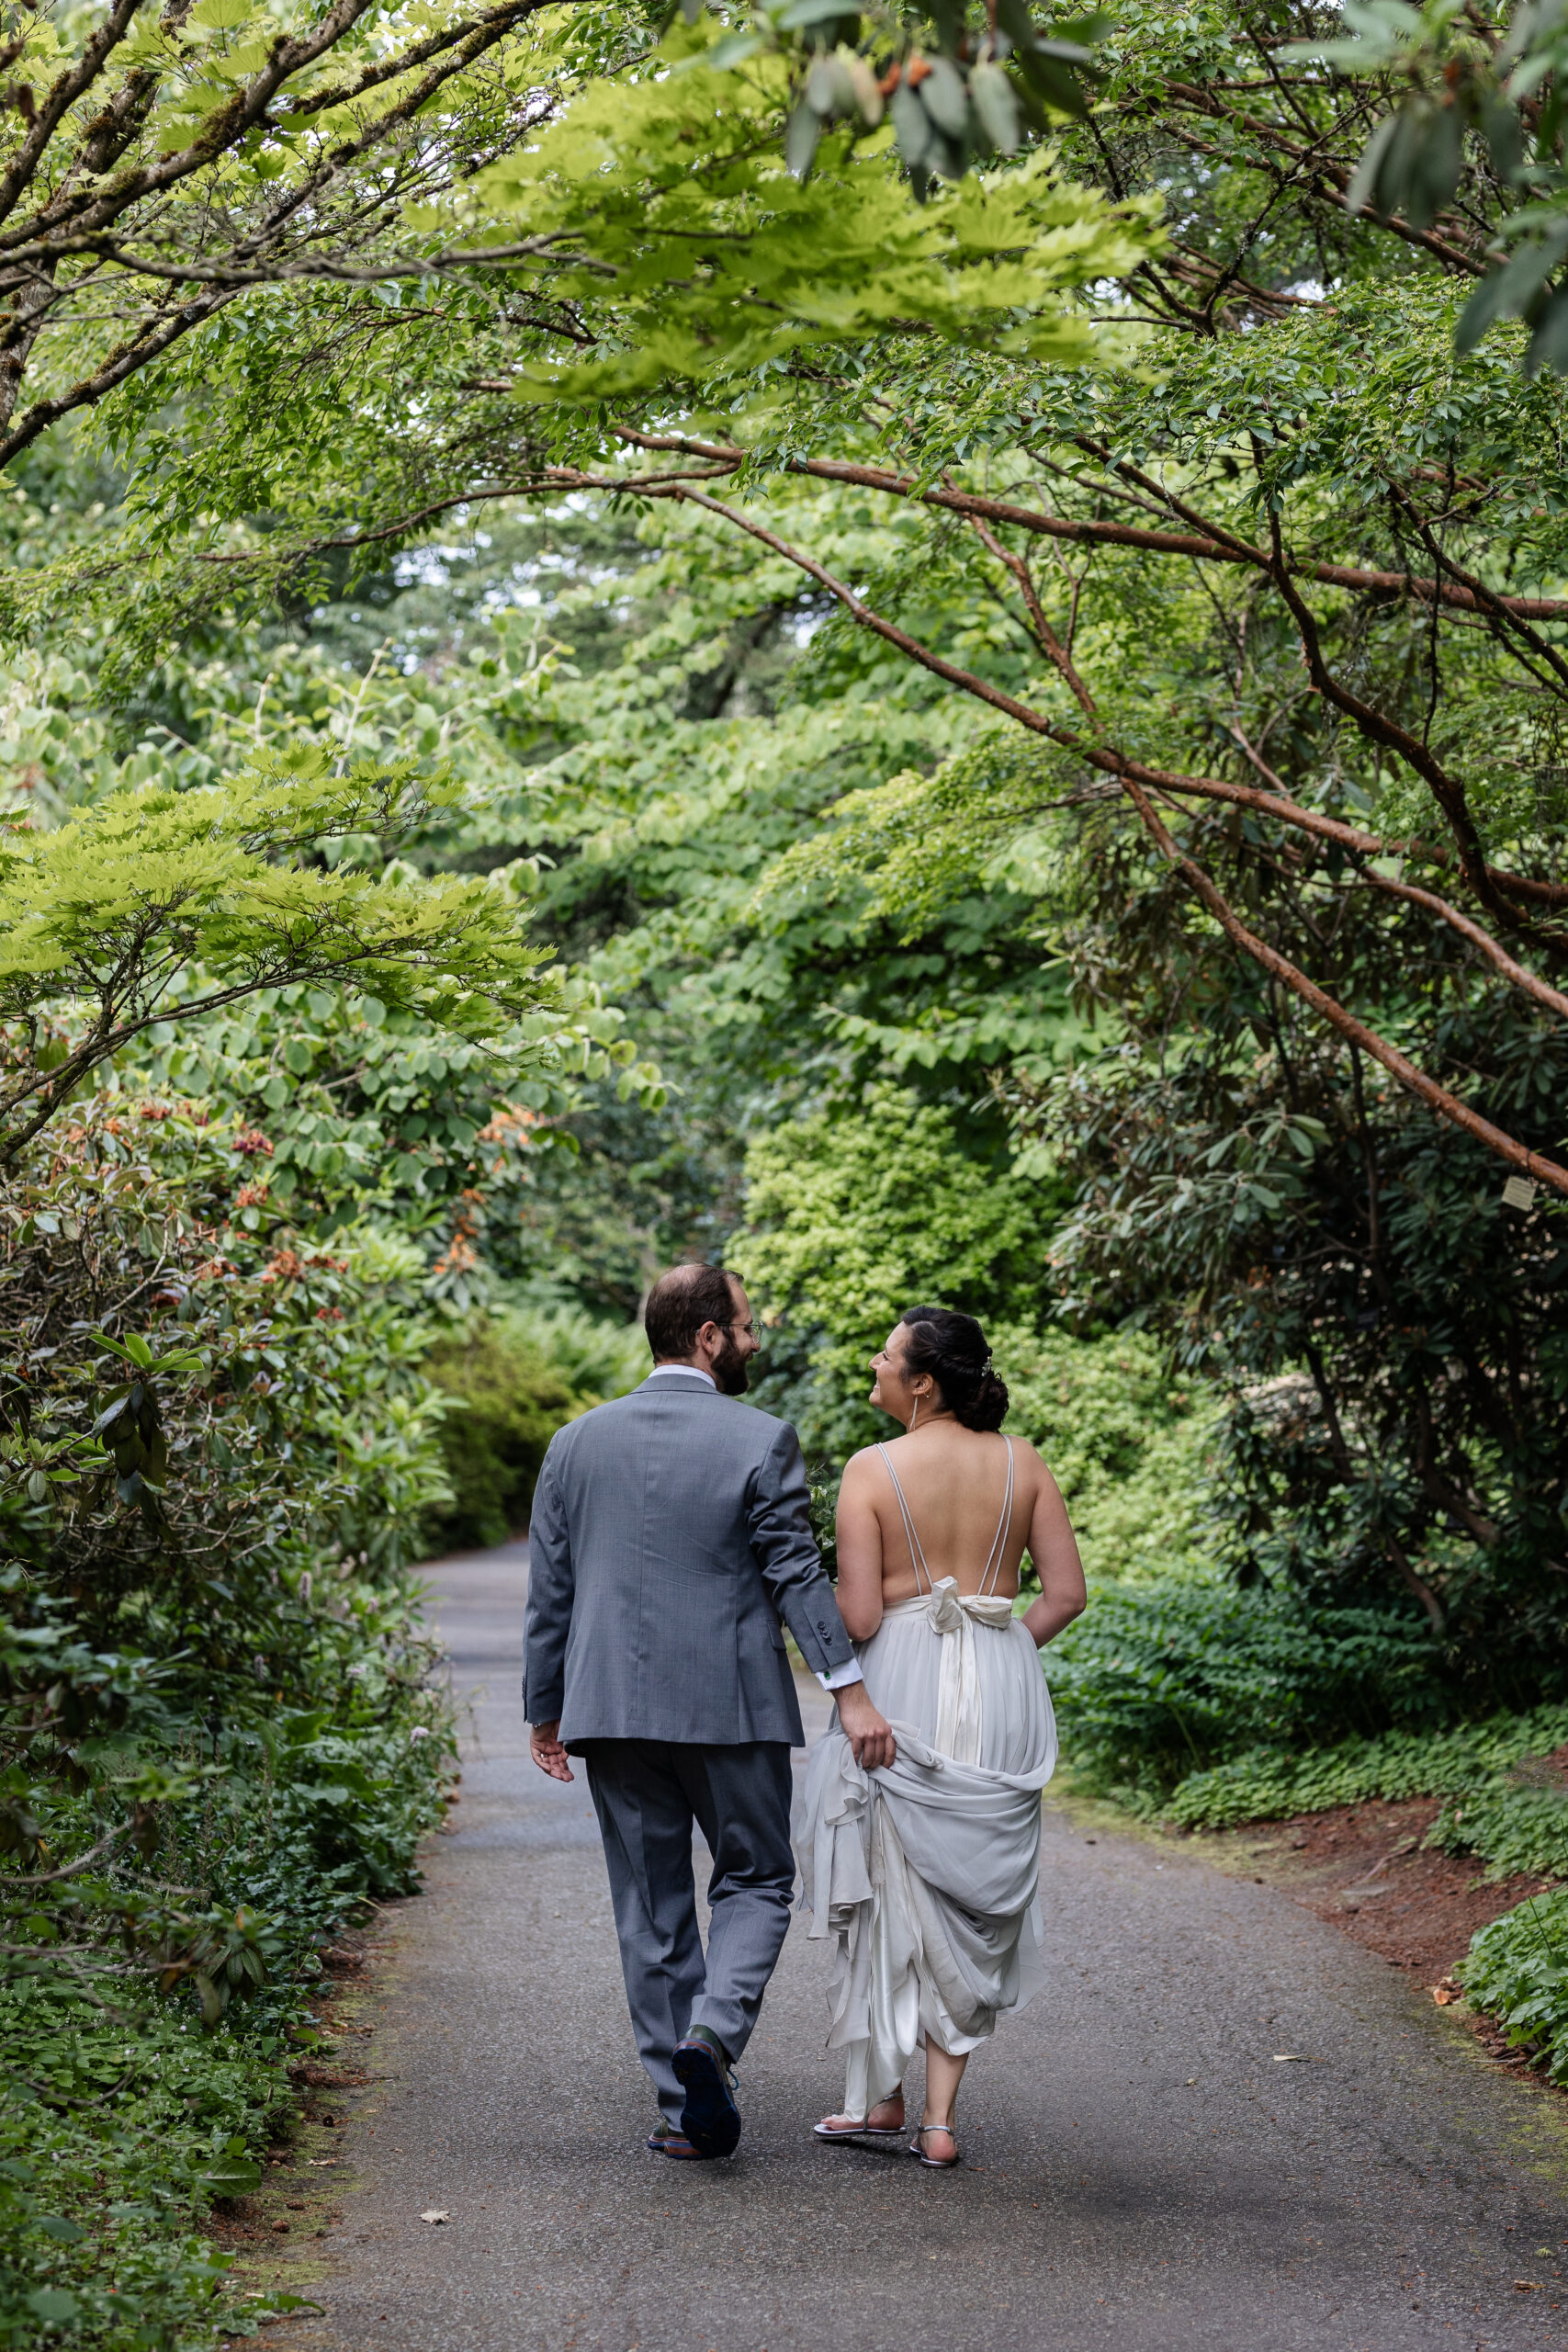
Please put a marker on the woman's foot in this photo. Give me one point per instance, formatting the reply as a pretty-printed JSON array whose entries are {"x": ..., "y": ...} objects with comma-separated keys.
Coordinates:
[
  {"x": 936, "y": 2144},
  {"x": 885, "y": 2122}
]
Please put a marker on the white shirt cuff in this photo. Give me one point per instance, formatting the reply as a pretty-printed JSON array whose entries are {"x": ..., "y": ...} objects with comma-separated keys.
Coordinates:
[{"x": 842, "y": 1676}]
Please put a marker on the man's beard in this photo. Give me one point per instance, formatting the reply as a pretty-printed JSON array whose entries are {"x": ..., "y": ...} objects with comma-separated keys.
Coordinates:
[{"x": 728, "y": 1368}]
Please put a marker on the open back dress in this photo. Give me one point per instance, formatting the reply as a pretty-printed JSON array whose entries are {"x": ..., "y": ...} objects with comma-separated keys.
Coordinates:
[{"x": 923, "y": 1875}]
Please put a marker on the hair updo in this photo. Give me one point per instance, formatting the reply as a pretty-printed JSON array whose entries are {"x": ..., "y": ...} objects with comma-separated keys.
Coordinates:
[{"x": 953, "y": 1349}]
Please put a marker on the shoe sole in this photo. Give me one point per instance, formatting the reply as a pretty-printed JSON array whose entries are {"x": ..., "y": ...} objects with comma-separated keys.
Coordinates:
[{"x": 710, "y": 2119}]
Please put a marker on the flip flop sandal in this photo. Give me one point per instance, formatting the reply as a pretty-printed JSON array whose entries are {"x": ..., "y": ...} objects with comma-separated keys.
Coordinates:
[
  {"x": 826, "y": 2131},
  {"x": 937, "y": 2164}
]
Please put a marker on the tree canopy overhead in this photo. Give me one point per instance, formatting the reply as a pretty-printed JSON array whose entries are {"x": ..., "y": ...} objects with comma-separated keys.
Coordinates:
[
  {"x": 1353, "y": 535},
  {"x": 1180, "y": 638},
  {"x": 159, "y": 168}
]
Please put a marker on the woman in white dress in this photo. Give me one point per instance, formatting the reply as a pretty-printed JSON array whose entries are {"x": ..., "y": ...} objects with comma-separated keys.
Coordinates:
[{"x": 923, "y": 1871}]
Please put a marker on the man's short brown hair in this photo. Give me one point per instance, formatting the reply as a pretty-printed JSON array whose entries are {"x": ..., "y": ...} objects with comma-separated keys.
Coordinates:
[{"x": 680, "y": 1302}]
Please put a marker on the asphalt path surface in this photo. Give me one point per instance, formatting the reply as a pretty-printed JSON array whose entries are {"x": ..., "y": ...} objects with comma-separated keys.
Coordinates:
[{"x": 1223, "y": 2126}]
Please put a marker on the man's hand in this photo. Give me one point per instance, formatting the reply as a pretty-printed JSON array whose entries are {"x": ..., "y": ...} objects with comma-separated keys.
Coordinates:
[
  {"x": 547, "y": 1752},
  {"x": 869, "y": 1734}
]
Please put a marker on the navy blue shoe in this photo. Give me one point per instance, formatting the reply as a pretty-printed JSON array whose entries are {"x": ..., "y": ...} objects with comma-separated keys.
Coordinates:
[{"x": 710, "y": 2119}]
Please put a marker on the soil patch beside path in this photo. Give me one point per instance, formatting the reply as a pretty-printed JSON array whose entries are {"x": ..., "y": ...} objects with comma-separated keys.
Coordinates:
[{"x": 1362, "y": 1868}]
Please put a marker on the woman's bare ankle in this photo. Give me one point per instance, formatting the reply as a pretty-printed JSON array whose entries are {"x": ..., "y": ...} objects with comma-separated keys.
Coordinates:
[{"x": 888, "y": 2115}]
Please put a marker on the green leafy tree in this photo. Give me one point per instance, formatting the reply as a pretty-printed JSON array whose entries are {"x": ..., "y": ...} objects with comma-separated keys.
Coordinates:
[
  {"x": 1471, "y": 154},
  {"x": 151, "y": 906},
  {"x": 1389, "y": 528},
  {"x": 852, "y": 1217}
]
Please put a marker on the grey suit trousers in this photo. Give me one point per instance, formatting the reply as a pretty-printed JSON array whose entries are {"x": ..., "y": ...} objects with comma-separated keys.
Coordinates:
[{"x": 647, "y": 1793}]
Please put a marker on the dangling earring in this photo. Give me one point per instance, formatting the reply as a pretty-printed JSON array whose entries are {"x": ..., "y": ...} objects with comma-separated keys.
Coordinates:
[{"x": 914, "y": 1416}]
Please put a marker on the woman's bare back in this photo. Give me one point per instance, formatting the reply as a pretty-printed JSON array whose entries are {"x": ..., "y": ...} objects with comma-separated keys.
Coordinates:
[
  {"x": 954, "y": 1482},
  {"x": 954, "y": 1479}
]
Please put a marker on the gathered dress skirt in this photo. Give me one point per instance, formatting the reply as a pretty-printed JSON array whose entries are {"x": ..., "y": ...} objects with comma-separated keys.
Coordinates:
[{"x": 924, "y": 1875}]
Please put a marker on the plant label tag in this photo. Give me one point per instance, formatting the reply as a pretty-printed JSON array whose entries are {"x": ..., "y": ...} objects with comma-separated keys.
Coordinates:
[{"x": 1519, "y": 1193}]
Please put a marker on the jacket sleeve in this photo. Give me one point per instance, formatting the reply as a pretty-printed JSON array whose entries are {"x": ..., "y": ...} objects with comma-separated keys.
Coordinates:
[
  {"x": 785, "y": 1551},
  {"x": 551, "y": 1590}
]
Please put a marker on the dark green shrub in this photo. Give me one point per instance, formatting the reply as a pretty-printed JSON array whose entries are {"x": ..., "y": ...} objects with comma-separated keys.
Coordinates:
[
  {"x": 514, "y": 1376},
  {"x": 216, "y": 1737},
  {"x": 1160, "y": 1680},
  {"x": 506, "y": 1407}
]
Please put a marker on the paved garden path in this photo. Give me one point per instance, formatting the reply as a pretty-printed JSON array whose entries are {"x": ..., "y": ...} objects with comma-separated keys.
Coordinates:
[{"x": 1141, "y": 2172}]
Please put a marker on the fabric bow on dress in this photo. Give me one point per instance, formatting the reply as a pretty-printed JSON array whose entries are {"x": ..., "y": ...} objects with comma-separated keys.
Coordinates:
[{"x": 954, "y": 1615}]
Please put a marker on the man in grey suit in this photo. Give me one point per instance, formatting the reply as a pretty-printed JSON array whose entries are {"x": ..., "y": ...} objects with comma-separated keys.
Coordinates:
[{"x": 670, "y": 1535}]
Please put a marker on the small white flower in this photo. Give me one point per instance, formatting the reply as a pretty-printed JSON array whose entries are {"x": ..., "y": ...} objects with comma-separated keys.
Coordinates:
[{"x": 420, "y": 1730}]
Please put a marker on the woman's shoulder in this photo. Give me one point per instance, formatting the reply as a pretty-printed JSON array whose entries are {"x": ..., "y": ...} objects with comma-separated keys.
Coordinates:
[
  {"x": 1030, "y": 1469},
  {"x": 1028, "y": 1463}
]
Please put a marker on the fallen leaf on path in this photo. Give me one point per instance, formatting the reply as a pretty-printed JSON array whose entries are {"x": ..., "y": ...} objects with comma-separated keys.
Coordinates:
[
  {"x": 319, "y": 2163},
  {"x": 1292, "y": 2058},
  {"x": 1445, "y": 1994},
  {"x": 1524, "y": 2285},
  {"x": 435, "y": 2213}
]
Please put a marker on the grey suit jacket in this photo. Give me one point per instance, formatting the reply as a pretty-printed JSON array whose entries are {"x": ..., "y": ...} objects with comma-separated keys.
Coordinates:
[{"x": 669, "y": 1534}]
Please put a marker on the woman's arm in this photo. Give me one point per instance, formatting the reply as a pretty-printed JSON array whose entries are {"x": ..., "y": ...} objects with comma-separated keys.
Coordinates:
[
  {"x": 1054, "y": 1550},
  {"x": 860, "y": 1550}
]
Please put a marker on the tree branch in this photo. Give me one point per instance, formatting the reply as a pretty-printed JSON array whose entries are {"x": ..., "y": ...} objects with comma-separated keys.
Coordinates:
[{"x": 1212, "y": 546}]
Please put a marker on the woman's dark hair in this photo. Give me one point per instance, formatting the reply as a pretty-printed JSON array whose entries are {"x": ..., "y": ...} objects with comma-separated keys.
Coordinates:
[
  {"x": 680, "y": 1302},
  {"x": 953, "y": 1349}
]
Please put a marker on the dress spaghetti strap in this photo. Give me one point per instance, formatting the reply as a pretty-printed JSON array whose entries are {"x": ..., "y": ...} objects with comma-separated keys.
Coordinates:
[
  {"x": 916, "y": 1555},
  {"x": 994, "y": 1557},
  {"x": 997, "y": 1552}
]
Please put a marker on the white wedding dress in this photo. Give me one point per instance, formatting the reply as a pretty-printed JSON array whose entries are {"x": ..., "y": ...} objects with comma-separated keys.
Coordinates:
[{"x": 924, "y": 1874}]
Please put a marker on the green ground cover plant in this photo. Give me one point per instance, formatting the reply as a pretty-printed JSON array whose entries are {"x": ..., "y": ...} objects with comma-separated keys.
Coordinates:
[
  {"x": 1512, "y": 1827},
  {"x": 1268, "y": 1783},
  {"x": 1517, "y": 1972}
]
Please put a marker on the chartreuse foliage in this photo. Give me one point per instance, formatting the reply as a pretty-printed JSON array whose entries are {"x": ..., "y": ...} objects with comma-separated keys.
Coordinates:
[
  {"x": 851, "y": 1219},
  {"x": 153, "y": 905},
  {"x": 665, "y": 208},
  {"x": 857, "y": 1214},
  {"x": 1129, "y": 1445}
]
